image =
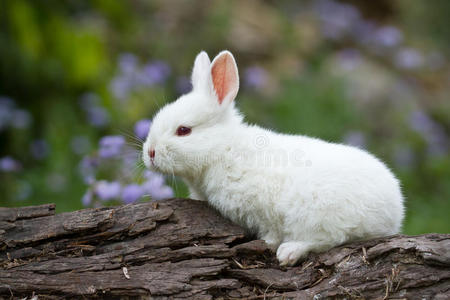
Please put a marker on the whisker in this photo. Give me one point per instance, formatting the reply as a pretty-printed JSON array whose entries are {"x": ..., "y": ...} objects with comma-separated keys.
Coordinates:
[
  {"x": 130, "y": 154},
  {"x": 135, "y": 145},
  {"x": 132, "y": 136},
  {"x": 174, "y": 182},
  {"x": 140, "y": 174}
]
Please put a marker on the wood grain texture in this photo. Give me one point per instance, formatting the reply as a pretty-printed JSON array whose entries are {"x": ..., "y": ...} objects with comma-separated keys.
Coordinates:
[{"x": 183, "y": 249}]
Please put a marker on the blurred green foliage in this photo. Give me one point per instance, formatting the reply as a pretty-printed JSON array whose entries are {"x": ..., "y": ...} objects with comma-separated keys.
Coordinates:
[{"x": 306, "y": 67}]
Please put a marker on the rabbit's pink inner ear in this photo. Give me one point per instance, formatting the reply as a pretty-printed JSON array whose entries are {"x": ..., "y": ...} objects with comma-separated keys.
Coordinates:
[{"x": 224, "y": 76}]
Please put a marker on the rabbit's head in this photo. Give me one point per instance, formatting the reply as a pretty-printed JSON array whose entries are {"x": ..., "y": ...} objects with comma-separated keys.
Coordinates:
[{"x": 191, "y": 133}]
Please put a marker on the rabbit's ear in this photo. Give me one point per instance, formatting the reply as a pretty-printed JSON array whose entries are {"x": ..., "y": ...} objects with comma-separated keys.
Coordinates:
[
  {"x": 200, "y": 72},
  {"x": 225, "y": 77}
]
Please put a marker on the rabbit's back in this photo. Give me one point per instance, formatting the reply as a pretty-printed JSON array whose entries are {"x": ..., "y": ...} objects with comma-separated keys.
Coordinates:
[
  {"x": 344, "y": 191},
  {"x": 296, "y": 187}
]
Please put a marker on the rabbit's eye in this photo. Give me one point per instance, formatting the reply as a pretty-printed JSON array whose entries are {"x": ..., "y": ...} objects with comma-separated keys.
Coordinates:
[{"x": 183, "y": 130}]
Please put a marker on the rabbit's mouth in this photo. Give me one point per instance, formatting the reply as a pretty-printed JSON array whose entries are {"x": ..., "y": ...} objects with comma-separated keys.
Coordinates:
[
  {"x": 159, "y": 165},
  {"x": 154, "y": 167},
  {"x": 152, "y": 161}
]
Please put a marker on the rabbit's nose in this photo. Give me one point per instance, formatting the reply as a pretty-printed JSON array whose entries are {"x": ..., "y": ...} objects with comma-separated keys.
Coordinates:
[{"x": 151, "y": 153}]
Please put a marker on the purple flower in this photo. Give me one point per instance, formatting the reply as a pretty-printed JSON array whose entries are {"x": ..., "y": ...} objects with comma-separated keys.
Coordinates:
[
  {"x": 87, "y": 168},
  {"x": 128, "y": 63},
  {"x": 6, "y": 111},
  {"x": 337, "y": 19},
  {"x": 9, "y": 164},
  {"x": 130, "y": 160},
  {"x": 431, "y": 132},
  {"x": 132, "y": 77},
  {"x": 80, "y": 145},
  {"x": 39, "y": 149},
  {"x": 121, "y": 87},
  {"x": 21, "y": 119},
  {"x": 255, "y": 77},
  {"x": 408, "y": 58},
  {"x": 155, "y": 186},
  {"x": 349, "y": 59},
  {"x": 108, "y": 190},
  {"x": 155, "y": 72},
  {"x": 6, "y": 102},
  {"x": 421, "y": 122},
  {"x": 141, "y": 128},
  {"x": 87, "y": 198},
  {"x": 123, "y": 83},
  {"x": 356, "y": 139},
  {"x": 98, "y": 116},
  {"x": 10, "y": 116},
  {"x": 363, "y": 32},
  {"x": 388, "y": 36},
  {"x": 183, "y": 85},
  {"x": 152, "y": 175},
  {"x": 111, "y": 146},
  {"x": 131, "y": 193},
  {"x": 163, "y": 192}
]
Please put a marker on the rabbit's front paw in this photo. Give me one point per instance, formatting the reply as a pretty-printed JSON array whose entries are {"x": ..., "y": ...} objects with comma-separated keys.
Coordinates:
[{"x": 290, "y": 252}]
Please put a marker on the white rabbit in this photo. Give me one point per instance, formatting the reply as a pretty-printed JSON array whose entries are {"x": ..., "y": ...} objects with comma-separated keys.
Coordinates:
[{"x": 299, "y": 194}]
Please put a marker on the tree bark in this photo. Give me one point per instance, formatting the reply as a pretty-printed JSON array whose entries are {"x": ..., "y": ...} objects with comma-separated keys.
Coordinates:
[{"x": 182, "y": 248}]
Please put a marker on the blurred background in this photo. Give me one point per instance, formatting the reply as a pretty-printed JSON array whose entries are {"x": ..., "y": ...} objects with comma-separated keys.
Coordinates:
[{"x": 80, "y": 80}]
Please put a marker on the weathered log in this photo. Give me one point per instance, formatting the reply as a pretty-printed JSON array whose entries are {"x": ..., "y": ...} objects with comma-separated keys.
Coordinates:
[{"x": 182, "y": 248}]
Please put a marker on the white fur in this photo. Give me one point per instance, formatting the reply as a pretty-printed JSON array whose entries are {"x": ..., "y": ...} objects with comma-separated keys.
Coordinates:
[{"x": 299, "y": 194}]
